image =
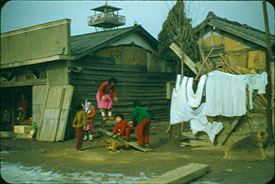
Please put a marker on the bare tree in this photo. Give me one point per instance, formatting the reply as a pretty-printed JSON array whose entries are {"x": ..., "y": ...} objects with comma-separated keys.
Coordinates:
[{"x": 177, "y": 28}]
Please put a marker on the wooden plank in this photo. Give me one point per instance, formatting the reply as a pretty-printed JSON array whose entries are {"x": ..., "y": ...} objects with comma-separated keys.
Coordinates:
[
  {"x": 233, "y": 125},
  {"x": 51, "y": 114},
  {"x": 186, "y": 59},
  {"x": 64, "y": 113},
  {"x": 182, "y": 174},
  {"x": 128, "y": 74},
  {"x": 55, "y": 97},
  {"x": 132, "y": 144},
  {"x": 39, "y": 127}
]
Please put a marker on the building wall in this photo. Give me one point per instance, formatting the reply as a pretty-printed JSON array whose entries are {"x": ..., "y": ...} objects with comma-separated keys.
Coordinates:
[
  {"x": 125, "y": 54},
  {"x": 57, "y": 74},
  {"x": 237, "y": 51},
  {"x": 135, "y": 50},
  {"x": 36, "y": 42}
]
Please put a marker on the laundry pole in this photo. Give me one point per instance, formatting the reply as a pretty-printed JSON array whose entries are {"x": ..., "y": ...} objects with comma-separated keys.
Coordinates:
[{"x": 268, "y": 71}]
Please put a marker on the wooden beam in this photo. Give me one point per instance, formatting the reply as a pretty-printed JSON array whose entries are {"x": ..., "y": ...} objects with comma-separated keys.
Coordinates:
[
  {"x": 203, "y": 63},
  {"x": 175, "y": 48},
  {"x": 132, "y": 144},
  {"x": 24, "y": 83},
  {"x": 268, "y": 71},
  {"x": 182, "y": 174},
  {"x": 36, "y": 61},
  {"x": 208, "y": 67},
  {"x": 233, "y": 125}
]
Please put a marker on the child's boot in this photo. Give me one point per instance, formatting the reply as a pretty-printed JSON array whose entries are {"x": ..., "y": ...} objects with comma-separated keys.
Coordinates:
[
  {"x": 110, "y": 115},
  {"x": 103, "y": 114},
  {"x": 91, "y": 137},
  {"x": 85, "y": 137}
]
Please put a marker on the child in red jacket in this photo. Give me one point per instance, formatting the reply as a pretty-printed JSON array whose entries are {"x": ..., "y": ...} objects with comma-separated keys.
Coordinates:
[
  {"x": 122, "y": 129},
  {"x": 90, "y": 109}
]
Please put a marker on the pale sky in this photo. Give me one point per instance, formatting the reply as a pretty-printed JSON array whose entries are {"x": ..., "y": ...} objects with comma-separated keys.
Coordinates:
[{"x": 150, "y": 14}]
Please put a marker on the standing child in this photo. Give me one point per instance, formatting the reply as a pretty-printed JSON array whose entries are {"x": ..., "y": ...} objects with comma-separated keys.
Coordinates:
[
  {"x": 143, "y": 118},
  {"x": 104, "y": 100},
  {"x": 90, "y": 109},
  {"x": 122, "y": 128},
  {"x": 79, "y": 123}
]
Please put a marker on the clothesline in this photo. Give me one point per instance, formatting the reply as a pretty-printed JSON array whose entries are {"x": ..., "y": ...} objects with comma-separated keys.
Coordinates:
[{"x": 225, "y": 95}]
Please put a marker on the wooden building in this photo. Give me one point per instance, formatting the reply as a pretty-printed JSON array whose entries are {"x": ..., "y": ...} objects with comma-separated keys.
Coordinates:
[
  {"x": 56, "y": 71},
  {"x": 242, "y": 45}
]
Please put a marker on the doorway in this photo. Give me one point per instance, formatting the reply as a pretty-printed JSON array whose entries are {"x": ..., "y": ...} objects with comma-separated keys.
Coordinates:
[{"x": 16, "y": 107}]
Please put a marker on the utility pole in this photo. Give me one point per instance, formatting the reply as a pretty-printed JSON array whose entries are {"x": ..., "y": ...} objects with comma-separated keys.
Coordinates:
[{"x": 268, "y": 71}]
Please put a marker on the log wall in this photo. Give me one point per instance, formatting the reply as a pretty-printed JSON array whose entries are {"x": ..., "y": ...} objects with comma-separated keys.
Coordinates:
[{"x": 134, "y": 83}]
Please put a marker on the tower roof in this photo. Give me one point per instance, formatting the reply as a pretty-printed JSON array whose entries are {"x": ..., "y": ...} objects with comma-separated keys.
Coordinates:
[{"x": 106, "y": 6}]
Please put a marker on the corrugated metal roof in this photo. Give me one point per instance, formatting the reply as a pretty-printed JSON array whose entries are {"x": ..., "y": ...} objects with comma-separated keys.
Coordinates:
[
  {"x": 81, "y": 44},
  {"x": 241, "y": 30}
]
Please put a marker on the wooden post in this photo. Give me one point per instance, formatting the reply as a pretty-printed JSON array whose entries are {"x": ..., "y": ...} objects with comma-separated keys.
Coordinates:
[
  {"x": 182, "y": 74},
  {"x": 268, "y": 71}
]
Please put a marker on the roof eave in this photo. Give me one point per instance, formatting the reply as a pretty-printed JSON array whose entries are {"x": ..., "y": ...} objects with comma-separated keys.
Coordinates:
[
  {"x": 102, "y": 45},
  {"x": 231, "y": 31}
]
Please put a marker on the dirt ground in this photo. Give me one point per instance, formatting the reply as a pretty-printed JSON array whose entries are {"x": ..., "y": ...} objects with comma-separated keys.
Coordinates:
[{"x": 61, "y": 157}]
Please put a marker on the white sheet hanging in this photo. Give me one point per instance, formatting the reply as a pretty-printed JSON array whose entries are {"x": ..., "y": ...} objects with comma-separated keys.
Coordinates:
[
  {"x": 256, "y": 82},
  {"x": 225, "y": 94},
  {"x": 177, "y": 100},
  {"x": 194, "y": 99}
]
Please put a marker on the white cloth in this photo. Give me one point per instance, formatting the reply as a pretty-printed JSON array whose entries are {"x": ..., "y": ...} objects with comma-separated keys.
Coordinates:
[
  {"x": 212, "y": 129},
  {"x": 199, "y": 122},
  {"x": 256, "y": 82},
  {"x": 194, "y": 99},
  {"x": 177, "y": 100},
  {"x": 225, "y": 94},
  {"x": 180, "y": 111}
]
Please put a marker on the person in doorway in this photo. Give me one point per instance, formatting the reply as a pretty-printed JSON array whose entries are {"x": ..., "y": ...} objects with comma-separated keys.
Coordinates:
[
  {"x": 90, "y": 110},
  {"x": 6, "y": 125},
  {"x": 22, "y": 107},
  {"x": 122, "y": 129},
  {"x": 79, "y": 123},
  {"x": 104, "y": 100},
  {"x": 143, "y": 119}
]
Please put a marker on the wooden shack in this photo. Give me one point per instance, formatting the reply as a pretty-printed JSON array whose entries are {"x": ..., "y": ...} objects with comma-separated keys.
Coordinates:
[{"x": 56, "y": 71}]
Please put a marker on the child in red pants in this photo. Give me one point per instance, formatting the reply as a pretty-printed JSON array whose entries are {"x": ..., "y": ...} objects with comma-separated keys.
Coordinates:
[
  {"x": 79, "y": 123},
  {"x": 143, "y": 118},
  {"x": 122, "y": 129}
]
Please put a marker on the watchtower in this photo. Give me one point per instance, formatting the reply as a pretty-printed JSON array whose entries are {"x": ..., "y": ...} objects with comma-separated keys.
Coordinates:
[{"x": 106, "y": 17}]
